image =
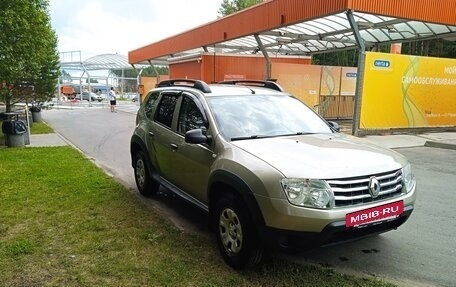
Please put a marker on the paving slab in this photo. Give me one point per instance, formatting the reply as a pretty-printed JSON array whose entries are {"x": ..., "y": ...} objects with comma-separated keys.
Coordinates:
[{"x": 52, "y": 139}]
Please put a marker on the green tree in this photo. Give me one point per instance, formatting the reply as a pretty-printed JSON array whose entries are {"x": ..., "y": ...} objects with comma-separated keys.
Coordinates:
[
  {"x": 92, "y": 81},
  {"x": 129, "y": 76},
  {"x": 148, "y": 71},
  {"x": 65, "y": 77},
  {"x": 151, "y": 71},
  {"x": 434, "y": 48},
  {"x": 29, "y": 61},
  {"x": 231, "y": 6},
  {"x": 338, "y": 58}
]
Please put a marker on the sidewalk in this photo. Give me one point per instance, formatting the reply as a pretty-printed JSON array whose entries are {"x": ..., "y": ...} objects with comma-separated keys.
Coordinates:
[
  {"x": 445, "y": 140},
  {"x": 41, "y": 140},
  {"x": 441, "y": 140}
]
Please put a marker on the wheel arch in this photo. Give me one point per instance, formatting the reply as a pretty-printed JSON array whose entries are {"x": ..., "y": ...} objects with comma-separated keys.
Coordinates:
[
  {"x": 136, "y": 144},
  {"x": 222, "y": 182}
]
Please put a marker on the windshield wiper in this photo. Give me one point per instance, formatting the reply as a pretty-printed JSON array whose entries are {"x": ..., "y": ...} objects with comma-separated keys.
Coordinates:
[
  {"x": 303, "y": 133},
  {"x": 270, "y": 136},
  {"x": 249, "y": 137}
]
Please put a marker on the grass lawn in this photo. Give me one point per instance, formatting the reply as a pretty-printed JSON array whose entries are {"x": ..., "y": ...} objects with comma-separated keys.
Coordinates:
[
  {"x": 40, "y": 128},
  {"x": 64, "y": 222}
]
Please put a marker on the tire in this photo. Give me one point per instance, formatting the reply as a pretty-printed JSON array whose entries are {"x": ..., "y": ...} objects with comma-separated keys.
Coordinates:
[
  {"x": 236, "y": 236},
  {"x": 146, "y": 185}
]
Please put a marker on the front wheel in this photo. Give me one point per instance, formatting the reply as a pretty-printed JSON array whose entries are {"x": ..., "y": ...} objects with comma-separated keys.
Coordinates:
[
  {"x": 146, "y": 185},
  {"x": 235, "y": 233}
]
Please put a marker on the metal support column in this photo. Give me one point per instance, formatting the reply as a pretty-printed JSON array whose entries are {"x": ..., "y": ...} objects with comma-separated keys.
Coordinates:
[
  {"x": 157, "y": 74},
  {"x": 360, "y": 74},
  {"x": 138, "y": 82},
  {"x": 122, "y": 88},
  {"x": 266, "y": 56},
  {"x": 89, "y": 88}
]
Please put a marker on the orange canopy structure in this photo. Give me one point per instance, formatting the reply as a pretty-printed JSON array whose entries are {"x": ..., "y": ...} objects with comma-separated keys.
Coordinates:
[{"x": 299, "y": 27}]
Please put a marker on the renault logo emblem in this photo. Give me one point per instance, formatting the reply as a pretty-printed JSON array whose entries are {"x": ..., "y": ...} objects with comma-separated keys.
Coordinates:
[{"x": 374, "y": 187}]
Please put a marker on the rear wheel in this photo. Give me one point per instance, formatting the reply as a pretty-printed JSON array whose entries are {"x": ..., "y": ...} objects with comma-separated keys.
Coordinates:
[
  {"x": 235, "y": 233},
  {"x": 146, "y": 185}
]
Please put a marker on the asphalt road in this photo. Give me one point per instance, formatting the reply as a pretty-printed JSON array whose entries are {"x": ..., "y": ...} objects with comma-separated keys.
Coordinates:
[{"x": 422, "y": 252}]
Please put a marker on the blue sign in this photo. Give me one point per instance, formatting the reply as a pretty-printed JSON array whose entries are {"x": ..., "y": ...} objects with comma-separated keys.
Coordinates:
[{"x": 382, "y": 63}]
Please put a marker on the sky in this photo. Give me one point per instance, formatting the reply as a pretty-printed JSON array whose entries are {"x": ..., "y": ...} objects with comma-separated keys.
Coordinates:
[{"x": 96, "y": 27}]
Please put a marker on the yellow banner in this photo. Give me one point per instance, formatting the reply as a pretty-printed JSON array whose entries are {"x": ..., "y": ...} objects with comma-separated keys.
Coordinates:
[
  {"x": 330, "y": 81},
  {"x": 302, "y": 81},
  {"x": 401, "y": 91}
]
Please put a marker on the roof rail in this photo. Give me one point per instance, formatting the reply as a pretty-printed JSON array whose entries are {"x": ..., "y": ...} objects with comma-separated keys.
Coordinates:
[
  {"x": 265, "y": 84},
  {"x": 196, "y": 84}
]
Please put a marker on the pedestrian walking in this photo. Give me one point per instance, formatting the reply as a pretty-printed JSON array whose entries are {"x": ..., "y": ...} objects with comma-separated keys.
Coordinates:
[{"x": 112, "y": 99}]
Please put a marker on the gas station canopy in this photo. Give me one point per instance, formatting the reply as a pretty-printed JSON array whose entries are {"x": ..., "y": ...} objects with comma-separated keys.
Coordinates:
[{"x": 298, "y": 27}]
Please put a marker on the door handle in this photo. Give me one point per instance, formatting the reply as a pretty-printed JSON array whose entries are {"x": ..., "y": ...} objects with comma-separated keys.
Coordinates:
[
  {"x": 173, "y": 146},
  {"x": 151, "y": 134}
]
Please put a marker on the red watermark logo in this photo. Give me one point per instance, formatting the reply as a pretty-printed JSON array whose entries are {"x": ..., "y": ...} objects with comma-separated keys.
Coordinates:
[{"x": 382, "y": 212}]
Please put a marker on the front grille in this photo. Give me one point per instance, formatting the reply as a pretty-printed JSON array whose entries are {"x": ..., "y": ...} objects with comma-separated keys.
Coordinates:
[{"x": 355, "y": 190}]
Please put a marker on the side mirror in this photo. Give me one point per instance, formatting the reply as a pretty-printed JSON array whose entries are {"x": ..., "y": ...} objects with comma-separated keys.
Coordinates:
[
  {"x": 196, "y": 136},
  {"x": 335, "y": 126}
]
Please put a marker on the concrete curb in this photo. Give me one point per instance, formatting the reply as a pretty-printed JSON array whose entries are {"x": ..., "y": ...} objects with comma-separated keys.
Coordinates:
[{"x": 440, "y": 145}]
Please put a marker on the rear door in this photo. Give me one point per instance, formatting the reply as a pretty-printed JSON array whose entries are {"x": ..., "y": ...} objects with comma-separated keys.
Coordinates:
[
  {"x": 163, "y": 137},
  {"x": 150, "y": 105}
]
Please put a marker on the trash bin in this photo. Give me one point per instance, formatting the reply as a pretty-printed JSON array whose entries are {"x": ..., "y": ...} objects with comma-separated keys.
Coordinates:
[
  {"x": 14, "y": 131},
  {"x": 36, "y": 117},
  {"x": 36, "y": 113}
]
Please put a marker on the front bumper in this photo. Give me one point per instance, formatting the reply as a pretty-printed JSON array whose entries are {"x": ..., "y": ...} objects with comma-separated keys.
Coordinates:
[
  {"x": 289, "y": 226},
  {"x": 280, "y": 214},
  {"x": 333, "y": 233}
]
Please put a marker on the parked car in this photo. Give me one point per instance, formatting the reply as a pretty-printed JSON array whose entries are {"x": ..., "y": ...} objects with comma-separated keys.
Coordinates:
[
  {"x": 93, "y": 97},
  {"x": 267, "y": 169},
  {"x": 134, "y": 99}
]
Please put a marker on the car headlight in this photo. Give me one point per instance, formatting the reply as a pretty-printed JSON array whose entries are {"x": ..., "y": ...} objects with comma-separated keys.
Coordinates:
[
  {"x": 408, "y": 178},
  {"x": 312, "y": 193}
]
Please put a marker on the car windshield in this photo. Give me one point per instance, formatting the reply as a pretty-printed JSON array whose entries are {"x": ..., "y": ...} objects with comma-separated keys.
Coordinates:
[{"x": 256, "y": 116}]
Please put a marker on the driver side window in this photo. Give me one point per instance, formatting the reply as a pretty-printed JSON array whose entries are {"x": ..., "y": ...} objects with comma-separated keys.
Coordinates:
[
  {"x": 190, "y": 116},
  {"x": 150, "y": 105},
  {"x": 165, "y": 109}
]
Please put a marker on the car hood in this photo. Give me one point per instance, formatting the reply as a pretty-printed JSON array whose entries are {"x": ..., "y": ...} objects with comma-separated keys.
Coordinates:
[{"x": 322, "y": 155}]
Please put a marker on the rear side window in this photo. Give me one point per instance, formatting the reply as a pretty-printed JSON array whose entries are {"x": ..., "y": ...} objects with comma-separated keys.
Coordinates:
[{"x": 165, "y": 109}]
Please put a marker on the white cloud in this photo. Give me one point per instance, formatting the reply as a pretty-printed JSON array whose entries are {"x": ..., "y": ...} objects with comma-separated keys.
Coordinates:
[{"x": 102, "y": 27}]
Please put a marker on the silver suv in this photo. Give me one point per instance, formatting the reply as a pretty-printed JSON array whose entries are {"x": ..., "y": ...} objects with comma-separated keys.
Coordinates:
[{"x": 267, "y": 169}]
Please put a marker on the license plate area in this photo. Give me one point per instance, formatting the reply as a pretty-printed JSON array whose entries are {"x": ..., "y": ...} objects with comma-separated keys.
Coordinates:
[{"x": 371, "y": 215}]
